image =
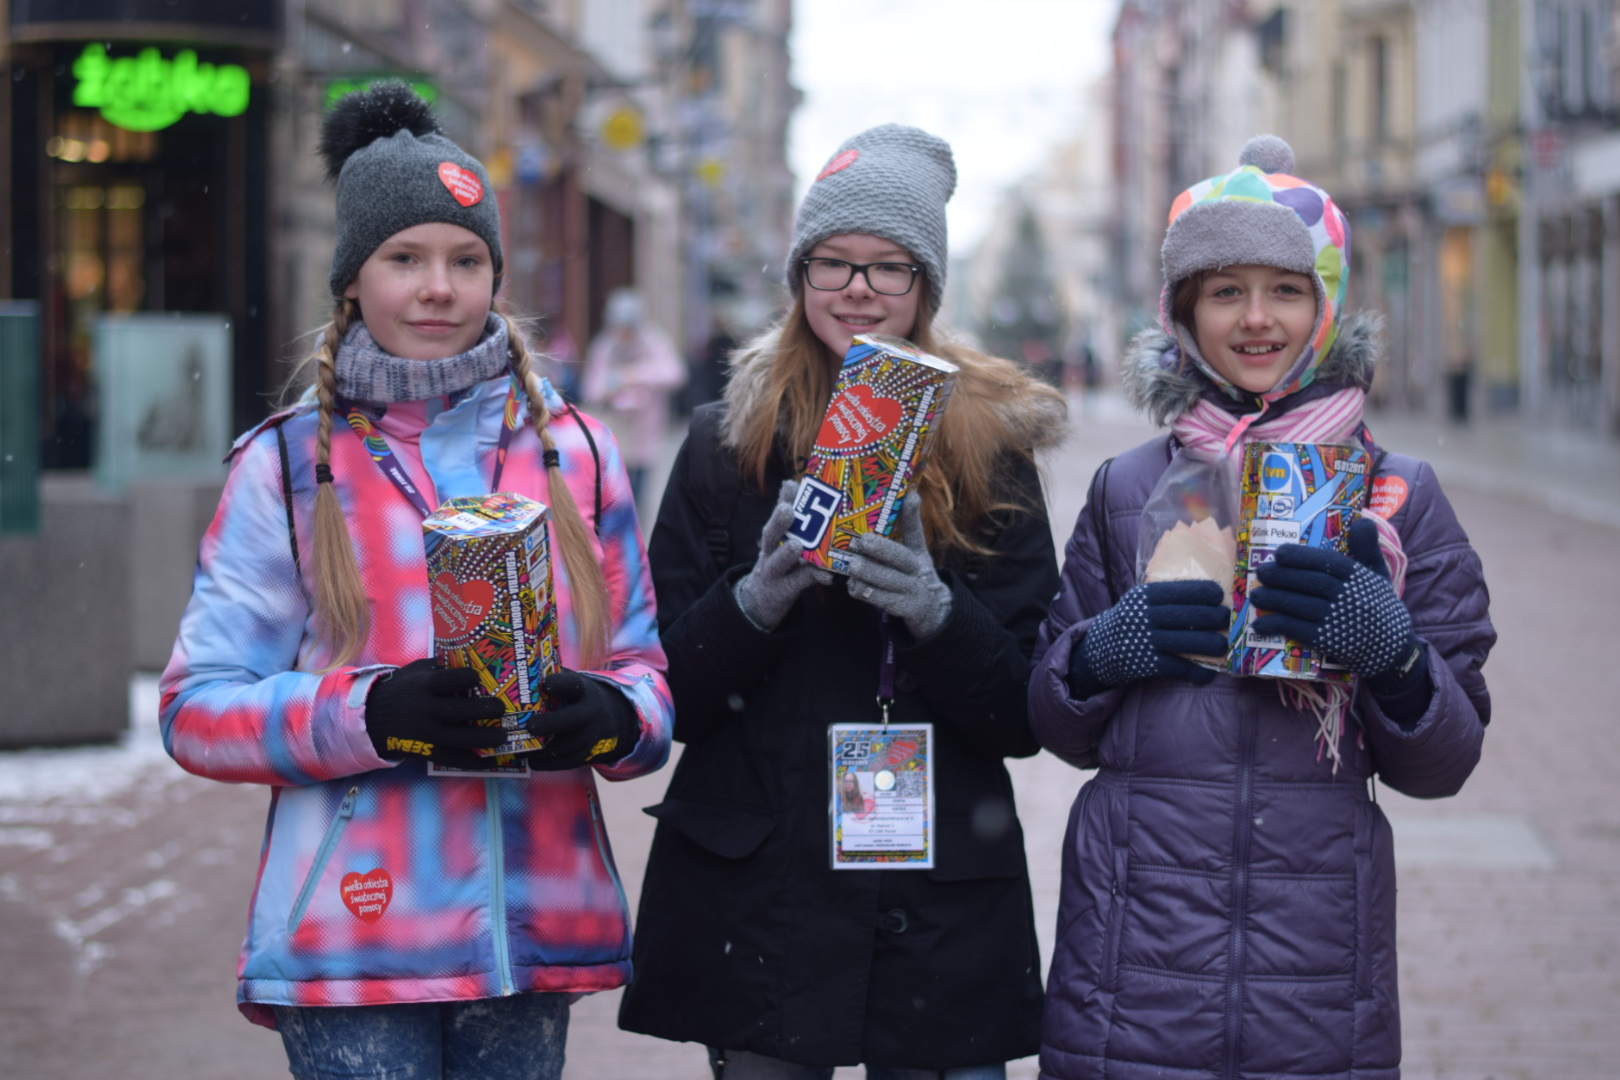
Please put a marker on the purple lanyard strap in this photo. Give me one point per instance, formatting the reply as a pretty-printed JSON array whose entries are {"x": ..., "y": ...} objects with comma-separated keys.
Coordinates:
[
  {"x": 382, "y": 455},
  {"x": 886, "y": 666}
]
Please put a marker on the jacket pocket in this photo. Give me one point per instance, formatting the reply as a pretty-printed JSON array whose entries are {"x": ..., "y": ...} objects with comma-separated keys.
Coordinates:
[
  {"x": 329, "y": 843},
  {"x": 1117, "y": 892},
  {"x": 1377, "y": 1005},
  {"x": 729, "y": 831},
  {"x": 600, "y": 829}
]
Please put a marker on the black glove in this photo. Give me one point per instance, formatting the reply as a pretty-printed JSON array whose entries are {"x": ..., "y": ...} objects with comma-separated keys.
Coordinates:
[
  {"x": 424, "y": 710},
  {"x": 592, "y": 723},
  {"x": 1141, "y": 636},
  {"x": 1342, "y": 606}
]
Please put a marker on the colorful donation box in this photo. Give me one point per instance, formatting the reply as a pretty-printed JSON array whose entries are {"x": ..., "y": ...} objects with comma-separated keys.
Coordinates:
[
  {"x": 880, "y": 424},
  {"x": 489, "y": 574},
  {"x": 1292, "y": 493}
]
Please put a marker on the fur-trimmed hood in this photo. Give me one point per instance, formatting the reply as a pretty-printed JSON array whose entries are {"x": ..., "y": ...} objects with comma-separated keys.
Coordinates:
[
  {"x": 1026, "y": 420},
  {"x": 1158, "y": 380}
]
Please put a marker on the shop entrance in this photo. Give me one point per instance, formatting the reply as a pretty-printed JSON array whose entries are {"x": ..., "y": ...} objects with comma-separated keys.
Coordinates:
[{"x": 110, "y": 220}]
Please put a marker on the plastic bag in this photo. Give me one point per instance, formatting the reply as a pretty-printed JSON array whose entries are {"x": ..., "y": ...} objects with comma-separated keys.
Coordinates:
[{"x": 1187, "y": 532}]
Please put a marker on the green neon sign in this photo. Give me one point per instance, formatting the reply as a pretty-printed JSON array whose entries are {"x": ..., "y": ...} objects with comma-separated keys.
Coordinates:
[
  {"x": 337, "y": 88},
  {"x": 148, "y": 93}
]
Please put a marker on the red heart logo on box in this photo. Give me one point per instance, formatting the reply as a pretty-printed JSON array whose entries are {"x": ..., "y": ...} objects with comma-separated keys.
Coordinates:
[
  {"x": 459, "y": 607},
  {"x": 367, "y": 895},
  {"x": 857, "y": 420},
  {"x": 463, "y": 183}
]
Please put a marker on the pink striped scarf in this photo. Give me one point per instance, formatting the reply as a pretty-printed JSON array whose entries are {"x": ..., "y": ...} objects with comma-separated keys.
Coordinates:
[{"x": 1211, "y": 432}]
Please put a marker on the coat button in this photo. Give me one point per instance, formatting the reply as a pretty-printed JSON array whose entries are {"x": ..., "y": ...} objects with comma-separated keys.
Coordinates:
[
  {"x": 905, "y": 681},
  {"x": 894, "y": 922}
]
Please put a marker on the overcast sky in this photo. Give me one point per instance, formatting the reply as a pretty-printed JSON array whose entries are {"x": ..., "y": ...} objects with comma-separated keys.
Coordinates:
[{"x": 998, "y": 79}]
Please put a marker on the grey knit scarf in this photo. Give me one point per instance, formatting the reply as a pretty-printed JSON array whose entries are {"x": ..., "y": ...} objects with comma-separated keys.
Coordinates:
[{"x": 366, "y": 372}]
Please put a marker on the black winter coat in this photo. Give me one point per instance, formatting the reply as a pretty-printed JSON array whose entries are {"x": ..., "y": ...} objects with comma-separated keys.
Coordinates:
[{"x": 746, "y": 938}]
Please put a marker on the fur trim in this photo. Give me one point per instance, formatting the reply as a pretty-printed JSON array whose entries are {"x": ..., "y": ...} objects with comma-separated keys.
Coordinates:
[
  {"x": 1157, "y": 381},
  {"x": 1026, "y": 421}
]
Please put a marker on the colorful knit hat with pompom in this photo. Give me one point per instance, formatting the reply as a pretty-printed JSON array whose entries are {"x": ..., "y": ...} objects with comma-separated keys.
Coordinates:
[{"x": 1260, "y": 215}]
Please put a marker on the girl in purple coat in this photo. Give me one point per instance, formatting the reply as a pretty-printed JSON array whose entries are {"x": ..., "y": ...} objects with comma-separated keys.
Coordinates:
[{"x": 1228, "y": 904}]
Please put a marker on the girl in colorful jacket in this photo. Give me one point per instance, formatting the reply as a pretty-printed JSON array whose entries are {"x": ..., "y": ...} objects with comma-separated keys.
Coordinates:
[
  {"x": 409, "y": 916},
  {"x": 1228, "y": 905}
]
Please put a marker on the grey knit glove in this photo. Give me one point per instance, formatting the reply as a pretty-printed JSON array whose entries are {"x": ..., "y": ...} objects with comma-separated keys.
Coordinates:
[
  {"x": 900, "y": 577},
  {"x": 767, "y": 592}
]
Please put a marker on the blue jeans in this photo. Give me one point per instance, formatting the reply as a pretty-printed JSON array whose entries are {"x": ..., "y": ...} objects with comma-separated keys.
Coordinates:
[
  {"x": 511, "y": 1038},
  {"x": 741, "y": 1065}
]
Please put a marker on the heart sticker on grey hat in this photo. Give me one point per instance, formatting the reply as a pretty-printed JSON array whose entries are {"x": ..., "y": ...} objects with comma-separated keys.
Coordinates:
[{"x": 463, "y": 183}]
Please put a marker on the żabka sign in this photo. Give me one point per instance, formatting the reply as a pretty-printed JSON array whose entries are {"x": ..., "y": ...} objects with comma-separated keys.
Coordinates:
[{"x": 148, "y": 93}]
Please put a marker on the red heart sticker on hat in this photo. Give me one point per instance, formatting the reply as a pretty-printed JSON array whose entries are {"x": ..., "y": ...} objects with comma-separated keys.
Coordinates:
[
  {"x": 463, "y": 183},
  {"x": 839, "y": 163},
  {"x": 858, "y": 419},
  {"x": 459, "y": 607},
  {"x": 368, "y": 895}
]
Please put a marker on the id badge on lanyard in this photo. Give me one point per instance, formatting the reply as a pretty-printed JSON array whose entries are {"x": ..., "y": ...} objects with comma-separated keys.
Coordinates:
[{"x": 881, "y": 815}]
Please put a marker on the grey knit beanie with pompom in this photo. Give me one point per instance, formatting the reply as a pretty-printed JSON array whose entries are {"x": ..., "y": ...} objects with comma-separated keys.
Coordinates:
[
  {"x": 890, "y": 181},
  {"x": 394, "y": 170}
]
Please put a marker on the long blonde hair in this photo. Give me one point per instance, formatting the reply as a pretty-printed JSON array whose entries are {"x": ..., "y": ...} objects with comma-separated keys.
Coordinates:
[
  {"x": 342, "y": 608},
  {"x": 959, "y": 483}
]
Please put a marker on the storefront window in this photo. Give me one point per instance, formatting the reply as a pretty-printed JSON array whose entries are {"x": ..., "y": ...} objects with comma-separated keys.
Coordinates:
[{"x": 139, "y": 179}]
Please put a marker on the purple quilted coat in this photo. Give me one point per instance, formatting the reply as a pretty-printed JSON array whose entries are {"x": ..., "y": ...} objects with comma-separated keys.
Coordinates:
[{"x": 1228, "y": 905}]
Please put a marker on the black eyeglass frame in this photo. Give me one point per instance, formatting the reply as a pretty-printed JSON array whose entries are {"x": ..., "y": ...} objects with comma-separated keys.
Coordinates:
[{"x": 861, "y": 269}]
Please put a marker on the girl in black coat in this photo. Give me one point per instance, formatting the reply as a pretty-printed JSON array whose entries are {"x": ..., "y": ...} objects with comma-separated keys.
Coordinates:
[{"x": 747, "y": 940}]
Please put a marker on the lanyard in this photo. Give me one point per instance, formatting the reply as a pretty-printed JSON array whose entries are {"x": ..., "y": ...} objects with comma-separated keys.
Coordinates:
[
  {"x": 886, "y": 666},
  {"x": 382, "y": 455}
]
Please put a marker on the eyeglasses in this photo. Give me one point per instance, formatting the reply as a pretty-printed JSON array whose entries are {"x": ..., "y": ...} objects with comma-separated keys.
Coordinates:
[{"x": 888, "y": 278}]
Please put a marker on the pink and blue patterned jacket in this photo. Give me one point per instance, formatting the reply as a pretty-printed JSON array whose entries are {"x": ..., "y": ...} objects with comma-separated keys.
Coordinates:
[{"x": 378, "y": 883}]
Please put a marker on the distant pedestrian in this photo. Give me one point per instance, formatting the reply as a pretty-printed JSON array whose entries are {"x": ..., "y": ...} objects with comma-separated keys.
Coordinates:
[
  {"x": 415, "y": 913},
  {"x": 632, "y": 372},
  {"x": 748, "y": 939},
  {"x": 1228, "y": 904}
]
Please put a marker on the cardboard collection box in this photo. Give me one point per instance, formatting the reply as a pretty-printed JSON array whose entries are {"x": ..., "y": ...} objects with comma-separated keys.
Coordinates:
[
  {"x": 879, "y": 427},
  {"x": 1292, "y": 493},
  {"x": 489, "y": 574}
]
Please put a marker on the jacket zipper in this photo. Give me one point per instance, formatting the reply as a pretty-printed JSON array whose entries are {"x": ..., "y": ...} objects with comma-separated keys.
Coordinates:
[
  {"x": 497, "y": 888},
  {"x": 334, "y": 831},
  {"x": 607, "y": 861},
  {"x": 1240, "y": 893}
]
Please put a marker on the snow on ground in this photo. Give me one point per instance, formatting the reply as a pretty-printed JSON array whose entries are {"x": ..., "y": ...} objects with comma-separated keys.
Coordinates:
[{"x": 88, "y": 774}]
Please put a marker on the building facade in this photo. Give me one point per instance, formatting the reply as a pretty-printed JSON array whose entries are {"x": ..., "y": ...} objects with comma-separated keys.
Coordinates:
[
  {"x": 1474, "y": 144},
  {"x": 168, "y": 236}
]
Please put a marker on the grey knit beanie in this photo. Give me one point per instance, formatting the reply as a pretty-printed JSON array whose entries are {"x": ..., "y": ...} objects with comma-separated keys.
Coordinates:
[
  {"x": 890, "y": 181},
  {"x": 394, "y": 170}
]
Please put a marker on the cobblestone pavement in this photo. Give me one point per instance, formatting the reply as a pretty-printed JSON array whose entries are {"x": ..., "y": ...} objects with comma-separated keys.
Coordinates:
[{"x": 123, "y": 881}]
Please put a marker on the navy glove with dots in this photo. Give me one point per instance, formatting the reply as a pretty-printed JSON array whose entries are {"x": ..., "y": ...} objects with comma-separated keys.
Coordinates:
[
  {"x": 1149, "y": 634},
  {"x": 1343, "y": 606}
]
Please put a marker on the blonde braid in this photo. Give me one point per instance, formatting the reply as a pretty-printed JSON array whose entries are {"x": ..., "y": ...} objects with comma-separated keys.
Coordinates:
[
  {"x": 342, "y": 609},
  {"x": 591, "y": 606}
]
